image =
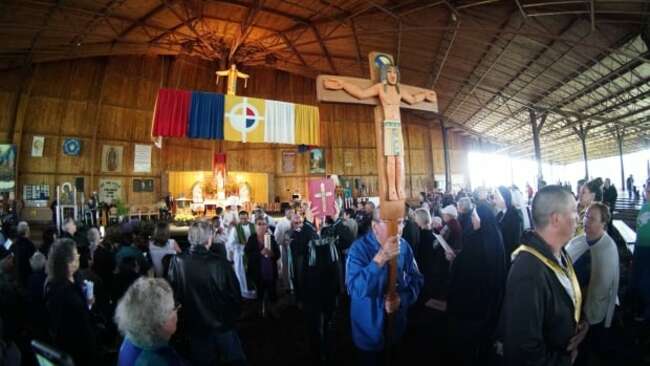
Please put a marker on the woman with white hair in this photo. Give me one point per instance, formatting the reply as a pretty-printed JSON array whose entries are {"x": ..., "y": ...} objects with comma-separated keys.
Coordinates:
[
  {"x": 520, "y": 204},
  {"x": 146, "y": 316},
  {"x": 452, "y": 231}
]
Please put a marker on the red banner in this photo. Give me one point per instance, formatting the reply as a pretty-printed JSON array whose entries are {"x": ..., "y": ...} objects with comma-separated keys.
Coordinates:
[
  {"x": 219, "y": 174},
  {"x": 322, "y": 197}
]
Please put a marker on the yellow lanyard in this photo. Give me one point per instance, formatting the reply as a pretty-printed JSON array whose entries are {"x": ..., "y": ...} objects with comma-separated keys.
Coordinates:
[{"x": 569, "y": 272}]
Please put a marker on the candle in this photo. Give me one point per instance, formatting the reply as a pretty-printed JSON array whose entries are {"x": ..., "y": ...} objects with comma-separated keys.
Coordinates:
[{"x": 267, "y": 241}]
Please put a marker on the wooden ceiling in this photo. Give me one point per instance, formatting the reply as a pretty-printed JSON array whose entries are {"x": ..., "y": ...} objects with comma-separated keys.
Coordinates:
[{"x": 580, "y": 64}]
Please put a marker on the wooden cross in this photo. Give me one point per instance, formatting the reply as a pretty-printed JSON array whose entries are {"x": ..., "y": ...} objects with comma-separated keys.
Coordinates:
[{"x": 388, "y": 97}]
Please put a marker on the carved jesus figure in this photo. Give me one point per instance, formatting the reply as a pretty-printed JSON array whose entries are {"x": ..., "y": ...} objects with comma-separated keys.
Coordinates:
[
  {"x": 232, "y": 74},
  {"x": 390, "y": 96}
]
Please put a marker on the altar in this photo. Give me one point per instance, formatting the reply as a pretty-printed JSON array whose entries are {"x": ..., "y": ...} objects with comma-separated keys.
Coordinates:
[{"x": 198, "y": 191}]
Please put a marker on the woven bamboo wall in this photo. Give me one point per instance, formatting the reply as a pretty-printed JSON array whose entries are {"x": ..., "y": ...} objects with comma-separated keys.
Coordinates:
[{"x": 109, "y": 101}]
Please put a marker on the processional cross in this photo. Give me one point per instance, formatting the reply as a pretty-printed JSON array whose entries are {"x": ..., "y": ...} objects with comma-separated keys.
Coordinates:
[{"x": 383, "y": 91}]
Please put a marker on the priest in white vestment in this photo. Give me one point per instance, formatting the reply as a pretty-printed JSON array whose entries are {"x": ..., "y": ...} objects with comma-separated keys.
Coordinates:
[
  {"x": 283, "y": 238},
  {"x": 237, "y": 239}
]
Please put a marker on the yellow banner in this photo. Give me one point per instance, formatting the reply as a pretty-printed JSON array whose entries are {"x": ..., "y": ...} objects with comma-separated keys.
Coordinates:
[{"x": 244, "y": 119}]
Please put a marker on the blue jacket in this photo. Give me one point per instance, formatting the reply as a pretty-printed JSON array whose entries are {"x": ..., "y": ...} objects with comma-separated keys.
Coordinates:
[
  {"x": 133, "y": 355},
  {"x": 366, "y": 284}
]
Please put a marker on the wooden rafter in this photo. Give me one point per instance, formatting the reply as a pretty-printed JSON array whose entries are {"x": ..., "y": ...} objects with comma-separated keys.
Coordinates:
[
  {"x": 324, "y": 49},
  {"x": 357, "y": 47},
  {"x": 143, "y": 19},
  {"x": 530, "y": 63},
  {"x": 293, "y": 49},
  {"x": 200, "y": 39},
  {"x": 443, "y": 51},
  {"x": 245, "y": 27}
]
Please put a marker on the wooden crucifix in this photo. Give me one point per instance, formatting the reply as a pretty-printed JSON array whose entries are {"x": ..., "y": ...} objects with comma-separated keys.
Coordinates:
[
  {"x": 232, "y": 74},
  {"x": 383, "y": 91}
]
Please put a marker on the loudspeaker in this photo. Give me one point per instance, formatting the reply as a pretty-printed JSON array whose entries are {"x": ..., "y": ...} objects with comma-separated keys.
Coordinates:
[{"x": 79, "y": 184}]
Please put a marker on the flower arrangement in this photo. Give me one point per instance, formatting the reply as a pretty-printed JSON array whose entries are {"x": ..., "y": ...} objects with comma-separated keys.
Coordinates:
[
  {"x": 122, "y": 210},
  {"x": 183, "y": 219}
]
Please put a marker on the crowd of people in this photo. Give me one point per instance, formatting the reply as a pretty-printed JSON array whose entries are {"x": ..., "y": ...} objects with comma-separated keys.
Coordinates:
[{"x": 495, "y": 279}]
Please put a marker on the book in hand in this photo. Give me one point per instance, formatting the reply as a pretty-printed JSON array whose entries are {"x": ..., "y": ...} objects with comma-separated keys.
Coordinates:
[{"x": 444, "y": 244}]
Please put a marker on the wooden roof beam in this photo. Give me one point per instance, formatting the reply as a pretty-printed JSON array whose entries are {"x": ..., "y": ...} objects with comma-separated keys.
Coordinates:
[
  {"x": 207, "y": 45},
  {"x": 293, "y": 49},
  {"x": 172, "y": 29},
  {"x": 165, "y": 4},
  {"x": 438, "y": 66},
  {"x": 560, "y": 140},
  {"x": 485, "y": 52},
  {"x": 244, "y": 28},
  {"x": 527, "y": 67},
  {"x": 357, "y": 48},
  {"x": 324, "y": 49}
]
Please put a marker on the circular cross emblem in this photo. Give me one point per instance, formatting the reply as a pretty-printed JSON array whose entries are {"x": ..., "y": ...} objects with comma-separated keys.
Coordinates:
[
  {"x": 244, "y": 118},
  {"x": 71, "y": 147}
]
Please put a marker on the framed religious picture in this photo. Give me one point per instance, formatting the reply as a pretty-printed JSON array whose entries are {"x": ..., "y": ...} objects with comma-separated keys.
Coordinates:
[
  {"x": 143, "y": 185},
  {"x": 316, "y": 161},
  {"x": 288, "y": 162},
  {"x": 7, "y": 168},
  {"x": 38, "y": 143},
  {"x": 71, "y": 146},
  {"x": 110, "y": 190},
  {"x": 112, "y": 158}
]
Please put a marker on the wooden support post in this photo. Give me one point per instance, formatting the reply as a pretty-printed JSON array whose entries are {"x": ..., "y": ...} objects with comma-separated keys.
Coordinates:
[
  {"x": 537, "y": 127},
  {"x": 581, "y": 131},
  {"x": 99, "y": 81},
  {"x": 445, "y": 150},
  {"x": 620, "y": 136},
  {"x": 22, "y": 101}
]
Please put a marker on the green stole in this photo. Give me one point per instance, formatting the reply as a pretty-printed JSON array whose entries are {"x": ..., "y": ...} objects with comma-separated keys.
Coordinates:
[{"x": 240, "y": 232}]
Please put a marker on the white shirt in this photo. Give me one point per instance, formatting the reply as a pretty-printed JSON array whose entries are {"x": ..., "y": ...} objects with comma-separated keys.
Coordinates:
[
  {"x": 157, "y": 254},
  {"x": 282, "y": 230},
  {"x": 602, "y": 291}
]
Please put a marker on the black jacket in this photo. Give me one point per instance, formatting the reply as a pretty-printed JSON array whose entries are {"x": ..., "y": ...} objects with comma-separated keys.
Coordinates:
[
  {"x": 206, "y": 285},
  {"x": 343, "y": 234},
  {"x": 434, "y": 267},
  {"x": 71, "y": 324},
  {"x": 610, "y": 195},
  {"x": 537, "y": 313},
  {"x": 104, "y": 265},
  {"x": 23, "y": 250},
  {"x": 299, "y": 246},
  {"x": 254, "y": 257},
  {"x": 511, "y": 225},
  {"x": 411, "y": 234}
]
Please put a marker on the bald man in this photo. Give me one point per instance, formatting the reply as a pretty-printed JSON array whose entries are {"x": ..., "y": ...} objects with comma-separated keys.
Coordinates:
[{"x": 542, "y": 307}]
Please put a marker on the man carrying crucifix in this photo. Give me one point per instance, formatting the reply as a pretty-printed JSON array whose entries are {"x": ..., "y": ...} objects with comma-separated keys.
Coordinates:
[
  {"x": 389, "y": 94},
  {"x": 366, "y": 280}
]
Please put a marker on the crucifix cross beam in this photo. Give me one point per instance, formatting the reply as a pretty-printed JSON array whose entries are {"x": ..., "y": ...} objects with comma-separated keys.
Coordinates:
[
  {"x": 389, "y": 96},
  {"x": 323, "y": 194}
]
